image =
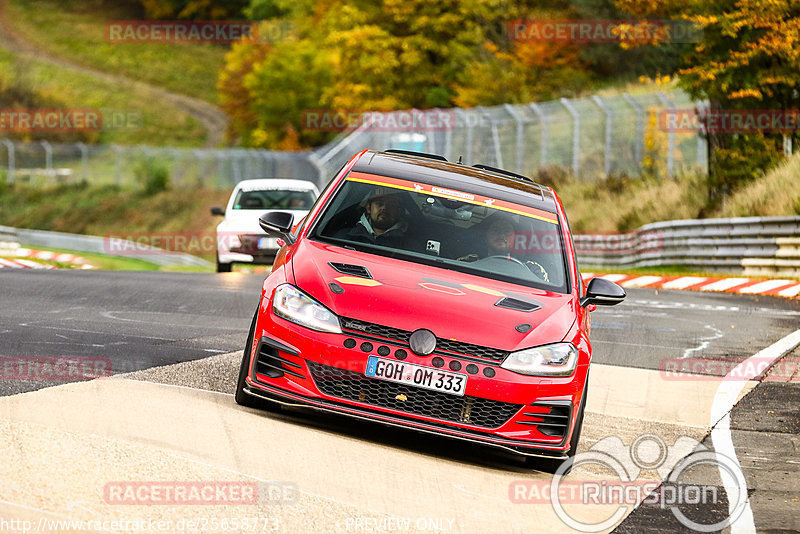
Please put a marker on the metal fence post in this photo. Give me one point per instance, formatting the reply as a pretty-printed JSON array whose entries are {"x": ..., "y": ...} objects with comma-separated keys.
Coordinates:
[
  {"x": 609, "y": 125},
  {"x": 576, "y": 136},
  {"x": 84, "y": 161},
  {"x": 11, "y": 162},
  {"x": 702, "y": 143},
  {"x": 638, "y": 147},
  {"x": 520, "y": 136},
  {"x": 670, "y": 137},
  {"x": 498, "y": 155},
  {"x": 468, "y": 142},
  {"x": 544, "y": 134},
  {"x": 48, "y": 155}
]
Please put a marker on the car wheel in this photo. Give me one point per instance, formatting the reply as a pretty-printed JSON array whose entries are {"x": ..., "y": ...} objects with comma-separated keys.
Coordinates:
[
  {"x": 242, "y": 398},
  {"x": 551, "y": 465},
  {"x": 223, "y": 267}
]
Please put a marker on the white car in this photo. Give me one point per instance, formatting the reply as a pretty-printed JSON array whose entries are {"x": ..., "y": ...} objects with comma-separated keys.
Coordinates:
[{"x": 240, "y": 239}]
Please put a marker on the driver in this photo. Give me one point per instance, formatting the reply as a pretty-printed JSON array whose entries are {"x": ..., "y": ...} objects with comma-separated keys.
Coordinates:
[
  {"x": 494, "y": 237},
  {"x": 496, "y": 233},
  {"x": 382, "y": 222}
]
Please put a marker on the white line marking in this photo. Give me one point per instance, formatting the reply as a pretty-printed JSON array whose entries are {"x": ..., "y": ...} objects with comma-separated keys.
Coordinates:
[
  {"x": 683, "y": 282},
  {"x": 725, "y": 283},
  {"x": 111, "y": 315},
  {"x": 790, "y": 291},
  {"x": 642, "y": 281},
  {"x": 764, "y": 286},
  {"x": 30, "y": 264},
  {"x": 724, "y": 401},
  {"x": 9, "y": 263},
  {"x": 614, "y": 277},
  {"x": 704, "y": 341}
]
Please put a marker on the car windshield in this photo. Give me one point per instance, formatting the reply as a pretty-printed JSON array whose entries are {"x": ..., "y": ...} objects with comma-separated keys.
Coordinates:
[
  {"x": 271, "y": 199},
  {"x": 448, "y": 228}
]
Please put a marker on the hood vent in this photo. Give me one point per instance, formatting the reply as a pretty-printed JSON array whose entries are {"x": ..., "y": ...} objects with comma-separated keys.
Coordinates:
[
  {"x": 352, "y": 270},
  {"x": 518, "y": 305}
]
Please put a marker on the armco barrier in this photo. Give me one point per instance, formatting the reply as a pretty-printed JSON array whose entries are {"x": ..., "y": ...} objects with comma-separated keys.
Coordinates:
[
  {"x": 752, "y": 246},
  {"x": 96, "y": 244}
]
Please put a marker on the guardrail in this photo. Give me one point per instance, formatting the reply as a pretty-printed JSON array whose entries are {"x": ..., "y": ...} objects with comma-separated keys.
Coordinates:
[
  {"x": 96, "y": 244},
  {"x": 752, "y": 246}
]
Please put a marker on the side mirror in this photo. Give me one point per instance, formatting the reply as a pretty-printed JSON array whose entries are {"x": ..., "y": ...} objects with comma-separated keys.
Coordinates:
[
  {"x": 278, "y": 224},
  {"x": 603, "y": 293},
  {"x": 216, "y": 210}
]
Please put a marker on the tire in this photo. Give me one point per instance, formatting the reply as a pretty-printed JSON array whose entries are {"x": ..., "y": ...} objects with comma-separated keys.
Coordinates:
[
  {"x": 223, "y": 267},
  {"x": 242, "y": 398},
  {"x": 551, "y": 465}
]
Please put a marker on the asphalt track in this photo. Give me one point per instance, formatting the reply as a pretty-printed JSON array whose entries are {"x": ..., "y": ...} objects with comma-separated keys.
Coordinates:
[{"x": 63, "y": 445}]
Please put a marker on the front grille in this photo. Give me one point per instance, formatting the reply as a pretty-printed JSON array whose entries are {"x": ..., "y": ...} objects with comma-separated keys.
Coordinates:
[
  {"x": 349, "y": 385},
  {"x": 443, "y": 346}
]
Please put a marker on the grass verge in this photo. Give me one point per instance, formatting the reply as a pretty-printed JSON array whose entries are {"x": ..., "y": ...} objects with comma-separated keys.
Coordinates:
[
  {"x": 160, "y": 122},
  {"x": 76, "y": 30}
]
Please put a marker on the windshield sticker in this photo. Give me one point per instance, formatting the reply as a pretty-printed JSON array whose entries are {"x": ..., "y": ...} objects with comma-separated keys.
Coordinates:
[{"x": 452, "y": 194}]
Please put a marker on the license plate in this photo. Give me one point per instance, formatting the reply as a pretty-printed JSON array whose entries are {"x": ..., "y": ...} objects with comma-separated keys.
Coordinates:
[
  {"x": 416, "y": 375},
  {"x": 267, "y": 242}
]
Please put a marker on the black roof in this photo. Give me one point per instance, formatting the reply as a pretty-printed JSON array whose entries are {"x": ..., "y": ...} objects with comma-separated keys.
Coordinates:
[{"x": 453, "y": 175}]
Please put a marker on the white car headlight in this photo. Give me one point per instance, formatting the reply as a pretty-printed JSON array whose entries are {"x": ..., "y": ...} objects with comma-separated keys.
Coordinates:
[
  {"x": 558, "y": 359},
  {"x": 297, "y": 307}
]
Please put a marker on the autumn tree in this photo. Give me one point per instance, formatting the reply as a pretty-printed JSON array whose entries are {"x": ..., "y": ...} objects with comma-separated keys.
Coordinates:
[
  {"x": 193, "y": 9},
  {"x": 748, "y": 58}
]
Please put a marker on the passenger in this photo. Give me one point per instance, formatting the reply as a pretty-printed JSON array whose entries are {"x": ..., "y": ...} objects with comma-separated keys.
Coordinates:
[{"x": 382, "y": 222}]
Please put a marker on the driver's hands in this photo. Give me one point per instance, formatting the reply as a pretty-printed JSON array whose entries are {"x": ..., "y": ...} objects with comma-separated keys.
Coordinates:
[{"x": 537, "y": 269}]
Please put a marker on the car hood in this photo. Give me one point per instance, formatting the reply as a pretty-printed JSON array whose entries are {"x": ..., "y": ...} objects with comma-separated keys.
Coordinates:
[
  {"x": 246, "y": 221},
  {"x": 408, "y": 296}
]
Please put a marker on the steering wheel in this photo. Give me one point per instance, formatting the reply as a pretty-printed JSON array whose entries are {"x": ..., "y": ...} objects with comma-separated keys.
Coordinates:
[
  {"x": 538, "y": 270},
  {"x": 509, "y": 258},
  {"x": 534, "y": 267}
]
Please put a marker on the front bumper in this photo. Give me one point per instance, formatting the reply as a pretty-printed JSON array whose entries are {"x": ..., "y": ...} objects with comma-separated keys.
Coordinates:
[
  {"x": 526, "y": 415},
  {"x": 246, "y": 249}
]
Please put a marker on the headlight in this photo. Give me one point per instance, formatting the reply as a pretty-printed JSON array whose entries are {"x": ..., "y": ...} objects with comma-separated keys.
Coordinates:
[
  {"x": 297, "y": 307},
  {"x": 558, "y": 359}
]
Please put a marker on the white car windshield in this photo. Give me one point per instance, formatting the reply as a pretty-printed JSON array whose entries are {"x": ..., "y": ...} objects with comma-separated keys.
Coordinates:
[
  {"x": 448, "y": 228},
  {"x": 272, "y": 199}
]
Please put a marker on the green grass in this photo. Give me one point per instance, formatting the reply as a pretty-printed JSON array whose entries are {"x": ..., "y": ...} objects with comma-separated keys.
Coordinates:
[
  {"x": 101, "y": 261},
  {"x": 778, "y": 193},
  {"x": 76, "y": 30},
  {"x": 161, "y": 123},
  {"x": 104, "y": 210}
]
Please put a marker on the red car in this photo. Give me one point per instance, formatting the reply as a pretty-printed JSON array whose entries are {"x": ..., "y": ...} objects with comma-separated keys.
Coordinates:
[{"x": 434, "y": 296}]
